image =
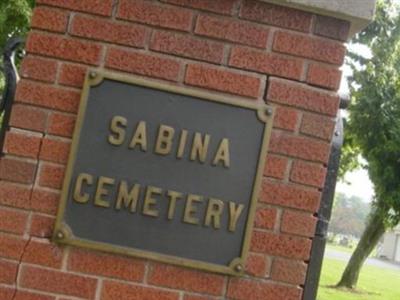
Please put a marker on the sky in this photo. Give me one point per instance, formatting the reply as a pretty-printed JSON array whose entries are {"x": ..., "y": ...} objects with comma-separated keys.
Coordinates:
[{"x": 360, "y": 185}]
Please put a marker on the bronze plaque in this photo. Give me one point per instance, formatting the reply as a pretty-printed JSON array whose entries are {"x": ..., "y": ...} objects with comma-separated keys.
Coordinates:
[{"x": 164, "y": 172}]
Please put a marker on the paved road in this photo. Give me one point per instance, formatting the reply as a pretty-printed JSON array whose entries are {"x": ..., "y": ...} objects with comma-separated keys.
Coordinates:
[{"x": 339, "y": 255}]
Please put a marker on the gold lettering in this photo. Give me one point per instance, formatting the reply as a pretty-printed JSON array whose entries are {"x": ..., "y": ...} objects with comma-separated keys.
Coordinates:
[
  {"x": 102, "y": 191},
  {"x": 190, "y": 209},
  {"x": 234, "y": 214},
  {"x": 78, "y": 196},
  {"x": 182, "y": 143},
  {"x": 139, "y": 137},
  {"x": 117, "y": 128},
  {"x": 214, "y": 211},
  {"x": 164, "y": 139},
  {"x": 149, "y": 201},
  {"x": 223, "y": 154},
  {"x": 200, "y": 147},
  {"x": 173, "y": 196},
  {"x": 128, "y": 199}
]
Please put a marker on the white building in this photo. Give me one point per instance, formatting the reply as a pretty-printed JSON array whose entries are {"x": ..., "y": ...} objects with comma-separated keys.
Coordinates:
[{"x": 390, "y": 247}]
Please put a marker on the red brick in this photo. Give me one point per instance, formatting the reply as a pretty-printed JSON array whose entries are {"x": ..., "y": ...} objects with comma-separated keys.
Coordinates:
[
  {"x": 308, "y": 47},
  {"x": 58, "y": 282},
  {"x": 289, "y": 271},
  {"x": 247, "y": 289},
  {"x": 14, "y": 195},
  {"x": 298, "y": 223},
  {"x": 28, "y": 117},
  {"x": 12, "y": 294},
  {"x": 64, "y": 48},
  {"x": 290, "y": 196},
  {"x": 276, "y": 15},
  {"x": 308, "y": 173},
  {"x": 47, "y": 96},
  {"x": 51, "y": 176},
  {"x": 11, "y": 247},
  {"x": 7, "y": 293},
  {"x": 155, "y": 14},
  {"x": 114, "y": 290},
  {"x": 61, "y": 124},
  {"x": 232, "y": 30},
  {"x": 72, "y": 75},
  {"x": 299, "y": 147},
  {"x": 22, "y": 144},
  {"x": 109, "y": 31},
  {"x": 50, "y": 19},
  {"x": 44, "y": 254},
  {"x": 23, "y": 295},
  {"x": 185, "y": 279},
  {"x": 268, "y": 63},
  {"x": 275, "y": 166},
  {"x": 324, "y": 76},
  {"x": 265, "y": 218},
  {"x": 222, "y": 80},
  {"x": 54, "y": 150},
  {"x": 13, "y": 221},
  {"x": 281, "y": 245},
  {"x": 42, "y": 226},
  {"x": 99, "y": 7},
  {"x": 317, "y": 126},
  {"x": 221, "y": 6},
  {"x": 286, "y": 118},
  {"x": 17, "y": 170},
  {"x": 44, "y": 201},
  {"x": 187, "y": 46},
  {"x": 8, "y": 272},
  {"x": 106, "y": 265},
  {"x": 39, "y": 69},
  {"x": 143, "y": 64},
  {"x": 299, "y": 95},
  {"x": 332, "y": 28},
  {"x": 256, "y": 265}
]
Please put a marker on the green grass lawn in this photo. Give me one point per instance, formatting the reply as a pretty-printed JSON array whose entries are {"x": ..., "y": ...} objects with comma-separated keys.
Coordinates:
[
  {"x": 374, "y": 283},
  {"x": 348, "y": 250},
  {"x": 341, "y": 248}
]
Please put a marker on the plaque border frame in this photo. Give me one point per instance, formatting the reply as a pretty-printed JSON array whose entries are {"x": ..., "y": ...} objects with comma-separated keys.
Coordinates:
[{"x": 265, "y": 113}]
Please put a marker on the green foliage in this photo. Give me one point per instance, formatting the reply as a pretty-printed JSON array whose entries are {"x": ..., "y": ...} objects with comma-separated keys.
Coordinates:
[
  {"x": 15, "y": 17},
  {"x": 374, "y": 124},
  {"x": 349, "y": 160}
]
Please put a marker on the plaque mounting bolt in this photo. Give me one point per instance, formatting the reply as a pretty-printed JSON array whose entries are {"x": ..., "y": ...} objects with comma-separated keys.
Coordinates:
[
  {"x": 268, "y": 111},
  {"x": 60, "y": 235},
  {"x": 238, "y": 268},
  {"x": 93, "y": 75}
]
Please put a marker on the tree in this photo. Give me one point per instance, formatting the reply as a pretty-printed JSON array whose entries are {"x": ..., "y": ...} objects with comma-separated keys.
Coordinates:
[
  {"x": 374, "y": 127},
  {"x": 15, "y": 17},
  {"x": 349, "y": 215}
]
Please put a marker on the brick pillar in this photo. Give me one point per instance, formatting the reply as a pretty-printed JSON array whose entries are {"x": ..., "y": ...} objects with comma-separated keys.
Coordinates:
[{"x": 253, "y": 50}]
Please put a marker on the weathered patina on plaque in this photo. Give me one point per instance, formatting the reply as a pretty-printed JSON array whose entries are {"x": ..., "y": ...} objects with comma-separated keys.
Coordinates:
[{"x": 164, "y": 172}]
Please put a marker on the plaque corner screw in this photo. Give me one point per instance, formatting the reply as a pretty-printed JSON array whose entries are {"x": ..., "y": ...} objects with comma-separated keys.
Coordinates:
[
  {"x": 268, "y": 111},
  {"x": 238, "y": 268},
  {"x": 93, "y": 74},
  {"x": 60, "y": 235}
]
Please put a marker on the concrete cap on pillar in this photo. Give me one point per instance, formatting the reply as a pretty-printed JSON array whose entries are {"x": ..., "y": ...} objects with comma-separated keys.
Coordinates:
[{"x": 358, "y": 12}]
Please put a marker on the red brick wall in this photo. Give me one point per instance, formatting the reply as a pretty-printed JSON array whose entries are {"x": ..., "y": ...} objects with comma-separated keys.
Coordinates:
[{"x": 253, "y": 50}]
